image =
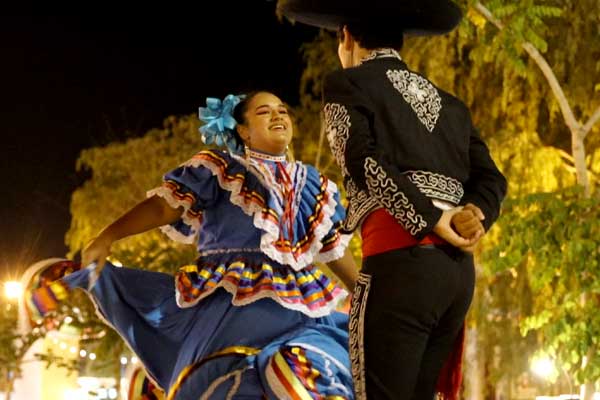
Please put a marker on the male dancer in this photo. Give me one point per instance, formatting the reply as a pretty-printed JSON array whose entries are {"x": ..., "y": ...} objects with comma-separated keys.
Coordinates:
[{"x": 411, "y": 158}]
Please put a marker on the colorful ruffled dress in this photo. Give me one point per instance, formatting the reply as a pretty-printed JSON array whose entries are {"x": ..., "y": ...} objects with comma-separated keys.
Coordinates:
[{"x": 253, "y": 318}]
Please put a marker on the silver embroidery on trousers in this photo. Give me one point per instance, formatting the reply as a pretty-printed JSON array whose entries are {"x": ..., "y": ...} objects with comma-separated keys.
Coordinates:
[{"x": 356, "y": 326}]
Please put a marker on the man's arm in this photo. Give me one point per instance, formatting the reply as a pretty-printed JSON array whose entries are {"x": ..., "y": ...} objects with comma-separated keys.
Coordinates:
[{"x": 486, "y": 186}]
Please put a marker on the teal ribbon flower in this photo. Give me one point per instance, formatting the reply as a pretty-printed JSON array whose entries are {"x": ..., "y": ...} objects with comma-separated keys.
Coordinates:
[{"x": 219, "y": 124}]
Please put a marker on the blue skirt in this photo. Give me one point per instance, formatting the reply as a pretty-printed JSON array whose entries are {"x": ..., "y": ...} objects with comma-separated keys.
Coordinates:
[{"x": 216, "y": 350}]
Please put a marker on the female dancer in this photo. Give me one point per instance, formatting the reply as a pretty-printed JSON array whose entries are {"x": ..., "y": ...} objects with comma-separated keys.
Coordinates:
[{"x": 253, "y": 317}]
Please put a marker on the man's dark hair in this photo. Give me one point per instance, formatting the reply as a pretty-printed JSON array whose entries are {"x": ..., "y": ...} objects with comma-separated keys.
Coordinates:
[{"x": 374, "y": 36}]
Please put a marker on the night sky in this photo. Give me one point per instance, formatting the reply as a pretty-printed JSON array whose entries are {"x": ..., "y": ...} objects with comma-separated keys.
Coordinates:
[{"x": 71, "y": 82}]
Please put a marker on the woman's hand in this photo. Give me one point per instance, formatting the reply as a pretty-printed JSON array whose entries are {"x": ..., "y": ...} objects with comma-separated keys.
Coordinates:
[{"x": 97, "y": 251}]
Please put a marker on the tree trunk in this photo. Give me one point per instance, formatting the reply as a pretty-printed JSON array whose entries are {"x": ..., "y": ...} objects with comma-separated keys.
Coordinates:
[
  {"x": 587, "y": 391},
  {"x": 10, "y": 385},
  {"x": 474, "y": 377},
  {"x": 578, "y": 148}
]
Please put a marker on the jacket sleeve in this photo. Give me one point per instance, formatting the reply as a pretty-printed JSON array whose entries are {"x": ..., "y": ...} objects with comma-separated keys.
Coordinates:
[
  {"x": 348, "y": 123},
  {"x": 486, "y": 186}
]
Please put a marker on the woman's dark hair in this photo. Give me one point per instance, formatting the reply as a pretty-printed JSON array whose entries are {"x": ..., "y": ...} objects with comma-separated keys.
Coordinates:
[
  {"x": 374, "y": 36},
  {"x": 239, "y": 112}
]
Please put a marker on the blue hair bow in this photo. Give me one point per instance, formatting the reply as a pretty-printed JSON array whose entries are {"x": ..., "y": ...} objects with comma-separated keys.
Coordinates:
[{"x": 219, "y": 124}]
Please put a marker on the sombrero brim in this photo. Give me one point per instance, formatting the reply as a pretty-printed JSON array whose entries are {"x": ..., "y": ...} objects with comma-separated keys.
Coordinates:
[{"x": 424, "y": 17}]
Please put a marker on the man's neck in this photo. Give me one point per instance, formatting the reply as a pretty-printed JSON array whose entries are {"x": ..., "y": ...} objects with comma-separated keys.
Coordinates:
[{"x": 359, "y": 54}]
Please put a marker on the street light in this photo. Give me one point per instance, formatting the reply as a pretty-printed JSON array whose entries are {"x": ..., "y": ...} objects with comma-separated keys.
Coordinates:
[
  {"x": 544, "y": 368},
  {"x": 13, "y": 290},
  {"x": 547, "y": 369}
]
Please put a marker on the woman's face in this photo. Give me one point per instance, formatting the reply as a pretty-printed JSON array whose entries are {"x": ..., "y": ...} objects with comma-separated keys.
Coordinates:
[{"x": 268, "y": 126}]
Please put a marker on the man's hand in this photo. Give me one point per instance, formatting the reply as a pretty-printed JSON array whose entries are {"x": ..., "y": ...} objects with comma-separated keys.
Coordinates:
[
  {"x": 467, "y": 223},
  {"x": 444, "y": 229}
]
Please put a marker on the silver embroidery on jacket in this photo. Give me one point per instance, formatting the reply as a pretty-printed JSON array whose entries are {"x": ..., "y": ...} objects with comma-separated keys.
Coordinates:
[
  {"x": 382, "y": 187},
  {"x": 437, "y": 186},
  {"x": 360, "y": 204},
  {"x": 337, "y": 127},
  {"x": 381, "y": 53},
  {"x": 422, "y": 96}
]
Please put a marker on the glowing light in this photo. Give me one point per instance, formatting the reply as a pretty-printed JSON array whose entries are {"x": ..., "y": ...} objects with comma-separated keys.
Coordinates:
[
  {"x": 68, "y": 320},
  {"x": 123, "y": 360},
  {"x": 112, "y": 393},
  {"x": 72, "y": 394},
  {"x": 13, "y": 290},
  {"x": 73, "y": 350},
  {"x": 543, "y": 367},
  {"x": 82, "y": 353},
  {"x": 88, "y": 383},
  {"x": 63, "y": 345},
  {"x": 92, "y": 356},
  {"x": 135, "y": 360}
]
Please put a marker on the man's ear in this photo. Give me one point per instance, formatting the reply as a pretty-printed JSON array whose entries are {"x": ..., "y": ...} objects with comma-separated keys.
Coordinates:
[{"x": 347, "y": 39}]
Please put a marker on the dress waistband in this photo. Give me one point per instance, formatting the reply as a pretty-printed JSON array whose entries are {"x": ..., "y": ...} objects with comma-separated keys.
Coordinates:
[{"x": 211, "y": 252}]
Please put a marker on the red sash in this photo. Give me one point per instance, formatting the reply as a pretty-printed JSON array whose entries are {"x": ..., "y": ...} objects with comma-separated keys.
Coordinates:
[{"x": 381, "y": 233}]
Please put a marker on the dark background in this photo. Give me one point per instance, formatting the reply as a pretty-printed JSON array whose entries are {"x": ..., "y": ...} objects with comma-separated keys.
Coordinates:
[{"x": 70, "y": 82}]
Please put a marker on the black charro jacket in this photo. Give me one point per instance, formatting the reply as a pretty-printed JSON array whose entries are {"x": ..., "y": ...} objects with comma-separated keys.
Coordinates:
[{"x": 405, "y": 145}]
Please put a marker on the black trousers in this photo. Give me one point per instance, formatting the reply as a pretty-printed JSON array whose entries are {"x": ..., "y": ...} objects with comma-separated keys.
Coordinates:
[{"x": 407, "y": 310}]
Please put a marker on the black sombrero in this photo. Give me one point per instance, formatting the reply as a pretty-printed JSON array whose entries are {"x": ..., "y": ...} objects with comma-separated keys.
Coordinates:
[{"x": 418, "y": 17}]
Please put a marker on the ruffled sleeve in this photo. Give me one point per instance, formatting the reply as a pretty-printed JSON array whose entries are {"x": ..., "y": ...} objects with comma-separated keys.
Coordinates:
[
  {"x": 334, "y": 242},
  {"x": 192, "y": 187}
]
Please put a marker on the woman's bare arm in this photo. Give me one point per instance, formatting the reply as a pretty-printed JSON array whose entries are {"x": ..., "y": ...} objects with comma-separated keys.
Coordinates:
[{"x": 148, "y": 214}]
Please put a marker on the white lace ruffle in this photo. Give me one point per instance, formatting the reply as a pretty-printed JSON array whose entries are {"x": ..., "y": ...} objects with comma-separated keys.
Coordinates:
[
  {"x": 271, "y": 229},
  {"x": 174, "y": 202}
]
